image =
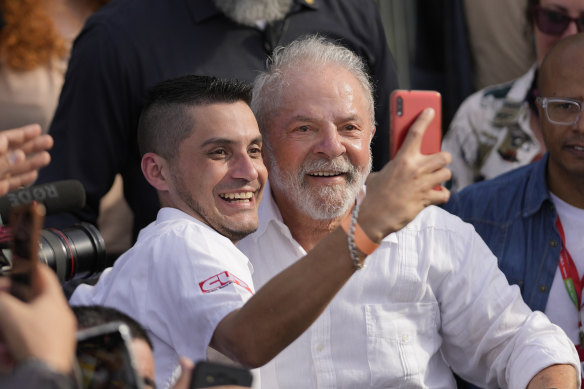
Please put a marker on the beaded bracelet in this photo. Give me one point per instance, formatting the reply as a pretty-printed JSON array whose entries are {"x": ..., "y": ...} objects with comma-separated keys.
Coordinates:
[{"x": 357, "y": 239}]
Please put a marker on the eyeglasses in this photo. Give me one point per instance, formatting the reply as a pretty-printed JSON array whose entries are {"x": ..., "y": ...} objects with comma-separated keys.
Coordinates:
[
  {"x": 562, "y": 111},
  {"x": 555, "y": 22}
]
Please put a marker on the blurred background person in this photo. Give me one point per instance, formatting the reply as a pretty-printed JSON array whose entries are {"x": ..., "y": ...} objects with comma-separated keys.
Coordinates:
[
  {"x": 532, "y": 218},
  {"x": 36, "y": 37},
  {"x": 35, "y": 40},
  {"x": 496, "y": 129},
  {"x": 501, "y": 40}
]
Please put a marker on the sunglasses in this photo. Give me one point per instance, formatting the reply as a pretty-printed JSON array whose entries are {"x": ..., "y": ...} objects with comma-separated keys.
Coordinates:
[{"x": 555, "y": 22}]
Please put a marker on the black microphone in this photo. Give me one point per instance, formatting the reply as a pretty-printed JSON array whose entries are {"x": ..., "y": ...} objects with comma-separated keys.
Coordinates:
[{"x": 58, "y": 196}]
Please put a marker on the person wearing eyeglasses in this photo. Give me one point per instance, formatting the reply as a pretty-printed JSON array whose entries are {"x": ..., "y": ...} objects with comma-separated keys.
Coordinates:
[
  {"x": 533, "y": 217},
  {"x": 496, "y": 129}
]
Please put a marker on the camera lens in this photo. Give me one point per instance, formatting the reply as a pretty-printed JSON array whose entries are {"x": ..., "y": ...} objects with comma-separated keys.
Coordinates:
[{"x": 76, "y": 251}]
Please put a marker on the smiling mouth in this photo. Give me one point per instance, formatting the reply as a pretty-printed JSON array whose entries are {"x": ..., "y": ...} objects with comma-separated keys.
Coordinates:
[
  {"x": 237, "y": 197},
  {"x": 325, "y": 174}
]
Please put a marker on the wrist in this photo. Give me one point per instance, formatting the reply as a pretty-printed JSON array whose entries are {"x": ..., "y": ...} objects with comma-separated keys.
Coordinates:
[
  {"x": 370, "y": 225},
  {"x": 359, "y": 244}
]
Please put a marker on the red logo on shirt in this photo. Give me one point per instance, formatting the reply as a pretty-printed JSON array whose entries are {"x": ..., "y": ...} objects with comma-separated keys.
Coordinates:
[{"x": 221, "y": 280}]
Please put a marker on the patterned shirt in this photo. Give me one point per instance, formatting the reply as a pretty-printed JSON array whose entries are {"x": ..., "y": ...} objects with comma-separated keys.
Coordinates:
[{"x": 491, "y": 133}]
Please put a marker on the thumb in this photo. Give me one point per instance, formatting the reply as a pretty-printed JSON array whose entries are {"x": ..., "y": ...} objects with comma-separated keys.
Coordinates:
[
  {"x": 184, "y": 380},
  {"x": 413, "y": 141}
]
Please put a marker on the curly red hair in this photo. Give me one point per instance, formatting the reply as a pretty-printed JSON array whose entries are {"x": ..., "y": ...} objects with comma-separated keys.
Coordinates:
[{"x": 29, "y": 38}]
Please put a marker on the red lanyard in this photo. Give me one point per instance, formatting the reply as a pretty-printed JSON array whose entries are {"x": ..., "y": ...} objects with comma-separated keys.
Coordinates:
[{"x": 571, "y": 279}]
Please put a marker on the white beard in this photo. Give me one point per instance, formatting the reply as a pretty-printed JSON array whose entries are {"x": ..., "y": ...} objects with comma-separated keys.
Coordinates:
[
  {"x": 248, "y": 12},
  {"x": 323, "y": 203}
]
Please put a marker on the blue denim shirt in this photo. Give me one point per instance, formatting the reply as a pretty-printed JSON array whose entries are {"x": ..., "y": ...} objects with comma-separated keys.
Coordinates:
[{"x": 515, "y": 216}]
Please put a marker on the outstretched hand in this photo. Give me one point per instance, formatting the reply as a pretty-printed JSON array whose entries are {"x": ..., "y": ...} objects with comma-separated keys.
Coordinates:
[
  {"x": 23, "y": 151},
  {"x": 406, "y": 185}
]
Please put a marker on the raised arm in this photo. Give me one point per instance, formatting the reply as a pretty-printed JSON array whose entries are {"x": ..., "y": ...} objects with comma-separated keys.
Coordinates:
[{"x": 286, "y": 306}]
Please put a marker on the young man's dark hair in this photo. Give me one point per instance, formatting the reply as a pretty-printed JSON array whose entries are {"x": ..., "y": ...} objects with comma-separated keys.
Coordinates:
[
  {"x": 94, "y": 315},
  {"x": 166, "y": 102}
]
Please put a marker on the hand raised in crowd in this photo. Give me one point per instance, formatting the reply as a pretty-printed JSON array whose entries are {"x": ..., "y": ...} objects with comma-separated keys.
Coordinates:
[
  {"x": 409, "y": 180},
  {"x": 23, "y": 151},
  {"x": 43, "y": 328}
]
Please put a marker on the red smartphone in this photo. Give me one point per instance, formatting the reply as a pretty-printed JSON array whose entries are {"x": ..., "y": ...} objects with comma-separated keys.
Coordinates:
[
  {"x": 25, "y": 223},
  {"x": 405, "y": 107}
]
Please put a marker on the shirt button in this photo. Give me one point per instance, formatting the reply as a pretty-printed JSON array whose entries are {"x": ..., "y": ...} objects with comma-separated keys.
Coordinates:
[
  {"x": 405, "y": 338},
  {"x": 542, "y": 288},
  {"x": 553, "y": 243},
  {"x": 319, "y": 347}
]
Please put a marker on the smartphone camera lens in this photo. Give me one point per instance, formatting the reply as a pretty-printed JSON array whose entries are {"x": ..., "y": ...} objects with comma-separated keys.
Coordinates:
[{"x": 400, "y": 103}]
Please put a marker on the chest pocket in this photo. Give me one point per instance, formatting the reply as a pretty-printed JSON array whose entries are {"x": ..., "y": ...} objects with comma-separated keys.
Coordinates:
[{"x": 401, "y": 339}]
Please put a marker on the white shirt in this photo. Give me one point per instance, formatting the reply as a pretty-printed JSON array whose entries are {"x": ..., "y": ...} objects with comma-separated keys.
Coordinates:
[
  {"x": 179, "y": 281},
  {"x": 559, "y": 307},
  {"x": 430, "y": 296}
]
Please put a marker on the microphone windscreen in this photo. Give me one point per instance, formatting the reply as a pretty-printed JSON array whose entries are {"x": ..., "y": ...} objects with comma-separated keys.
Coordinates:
[{"x": 58, "y": 196}]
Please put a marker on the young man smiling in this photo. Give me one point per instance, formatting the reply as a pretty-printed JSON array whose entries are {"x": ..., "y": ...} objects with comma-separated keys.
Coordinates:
[{"x": 184, "y": 279}]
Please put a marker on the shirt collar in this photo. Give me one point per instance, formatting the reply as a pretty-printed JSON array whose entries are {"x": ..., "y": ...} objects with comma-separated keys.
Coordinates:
[
  {"x": 202, "y": 10},
  {"x": 170, "y": 214},
  {"x": 537, "y": 191},
  {"x": 268, "y": 213}
]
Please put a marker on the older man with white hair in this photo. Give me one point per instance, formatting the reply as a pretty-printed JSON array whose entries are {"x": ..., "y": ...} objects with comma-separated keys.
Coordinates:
[{"x": 430, "y": 298}]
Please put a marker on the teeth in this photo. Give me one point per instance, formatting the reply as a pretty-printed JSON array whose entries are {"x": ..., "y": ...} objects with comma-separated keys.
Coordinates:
[
  {"x": 579, "y": 148},
  {"x": 324, "y": 174},
  {"x": 237, "y": 196}
]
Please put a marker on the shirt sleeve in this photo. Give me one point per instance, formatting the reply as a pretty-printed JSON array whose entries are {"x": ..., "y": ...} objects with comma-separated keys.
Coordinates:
[
  {"x": 491, "y": 337},
  {"x": 187, "y": 300}
]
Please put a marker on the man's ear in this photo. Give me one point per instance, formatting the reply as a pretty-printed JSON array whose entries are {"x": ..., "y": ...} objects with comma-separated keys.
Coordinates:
[{"x": 154, "y": 167}]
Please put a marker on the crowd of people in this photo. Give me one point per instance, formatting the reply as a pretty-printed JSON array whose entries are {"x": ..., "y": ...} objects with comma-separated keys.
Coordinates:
[{"x": 271, "y": 231}]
